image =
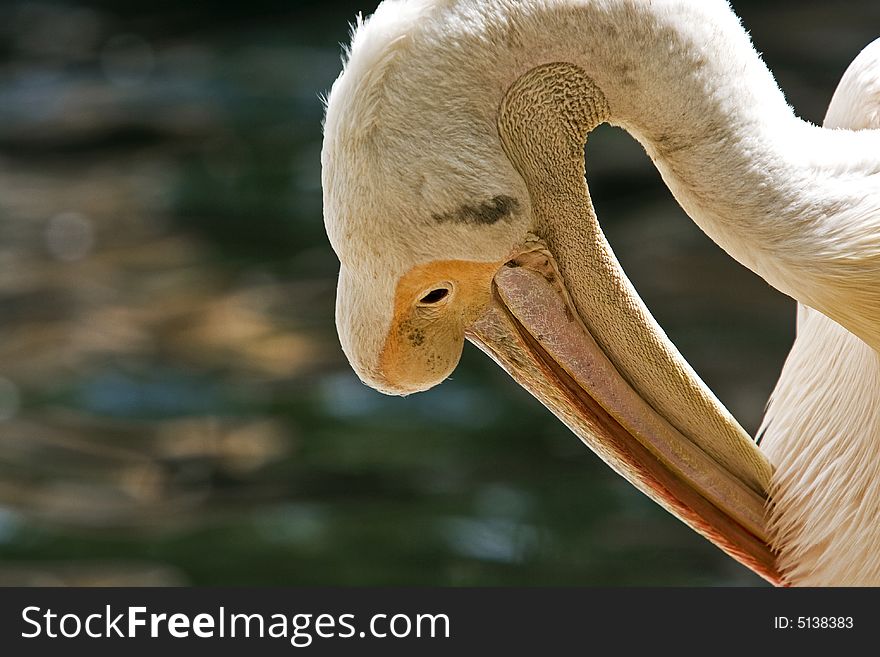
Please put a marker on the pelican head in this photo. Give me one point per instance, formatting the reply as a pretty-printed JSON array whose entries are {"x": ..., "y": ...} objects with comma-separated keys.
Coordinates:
[
  {"x": 454, "y": 197},
  {"x": 421, "y": 205}
]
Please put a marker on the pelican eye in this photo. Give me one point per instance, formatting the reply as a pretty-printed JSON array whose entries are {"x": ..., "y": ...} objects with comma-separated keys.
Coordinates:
[{"x": 435, "y": 296}]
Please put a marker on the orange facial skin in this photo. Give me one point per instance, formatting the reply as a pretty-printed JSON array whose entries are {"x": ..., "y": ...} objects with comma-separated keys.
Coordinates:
[{"x": 433, "y": 305}]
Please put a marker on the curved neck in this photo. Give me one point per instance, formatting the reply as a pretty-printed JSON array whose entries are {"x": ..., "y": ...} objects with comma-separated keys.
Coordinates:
[{"x": 797, "y": 204}]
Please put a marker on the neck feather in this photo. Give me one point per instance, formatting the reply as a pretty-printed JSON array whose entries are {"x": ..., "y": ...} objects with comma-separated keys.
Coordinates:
[{"x": 797, "y": 204}]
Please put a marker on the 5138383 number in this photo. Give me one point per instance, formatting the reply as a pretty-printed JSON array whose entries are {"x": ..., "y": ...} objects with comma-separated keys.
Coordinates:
[{"x": 813, "y": 622}]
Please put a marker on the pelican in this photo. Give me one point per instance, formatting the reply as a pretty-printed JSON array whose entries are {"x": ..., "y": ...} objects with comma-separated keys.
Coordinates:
[{"x": 455, "y": 199}]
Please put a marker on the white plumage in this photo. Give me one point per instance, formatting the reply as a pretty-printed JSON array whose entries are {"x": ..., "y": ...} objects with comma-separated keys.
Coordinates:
[
  {"x": 822, "y": 426},
  {"x": 411, "y": 134}
]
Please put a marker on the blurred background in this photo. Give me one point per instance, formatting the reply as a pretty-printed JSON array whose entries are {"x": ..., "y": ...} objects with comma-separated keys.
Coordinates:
[{"x": 174, "y": 407}]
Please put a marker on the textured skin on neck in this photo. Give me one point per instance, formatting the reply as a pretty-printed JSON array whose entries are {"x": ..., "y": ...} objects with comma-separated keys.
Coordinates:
[{"x": 823, "y": 421}]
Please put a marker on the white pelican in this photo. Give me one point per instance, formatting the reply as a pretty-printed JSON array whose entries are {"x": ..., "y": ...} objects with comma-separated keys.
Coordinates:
[{"x": 454, "y": 197}]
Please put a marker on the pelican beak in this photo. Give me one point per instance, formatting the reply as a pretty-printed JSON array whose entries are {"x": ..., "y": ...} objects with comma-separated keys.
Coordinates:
[{"x": 532, "y": 329}]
